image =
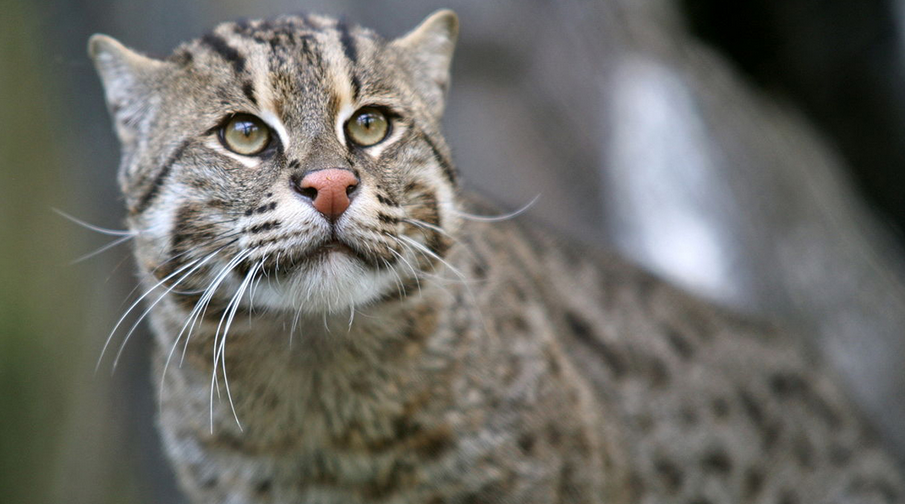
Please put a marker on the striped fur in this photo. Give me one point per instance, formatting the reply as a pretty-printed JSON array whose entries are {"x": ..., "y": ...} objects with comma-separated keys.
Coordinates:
[{"x": 404, "y": 355}]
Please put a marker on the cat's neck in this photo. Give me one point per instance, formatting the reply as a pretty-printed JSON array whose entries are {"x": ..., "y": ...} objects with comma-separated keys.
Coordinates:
[
  {"x": 282, "y": 366},
  {"x": 375, "y": 330}
]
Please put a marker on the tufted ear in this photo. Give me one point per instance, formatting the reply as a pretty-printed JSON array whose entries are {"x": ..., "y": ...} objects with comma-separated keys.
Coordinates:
[
  {"x": 431, "y": 45},
  {"x": 129, "y": 81}
]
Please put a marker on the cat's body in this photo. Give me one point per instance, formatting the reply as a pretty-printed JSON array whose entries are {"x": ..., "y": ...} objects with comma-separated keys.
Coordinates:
[{"x": 379, "y": 347}]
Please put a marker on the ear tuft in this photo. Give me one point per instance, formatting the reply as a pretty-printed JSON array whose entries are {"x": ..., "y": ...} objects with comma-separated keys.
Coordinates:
[{"x": 432, "y": 44}]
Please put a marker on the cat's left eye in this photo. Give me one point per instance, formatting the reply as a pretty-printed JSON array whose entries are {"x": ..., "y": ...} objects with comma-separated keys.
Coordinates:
[
  {"x": 245, "y": 134},
  {"x": 368, "y": 126}
]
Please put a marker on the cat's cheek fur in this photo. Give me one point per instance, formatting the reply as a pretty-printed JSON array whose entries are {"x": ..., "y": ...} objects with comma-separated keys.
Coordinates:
[{"x": 154, "y": 228}]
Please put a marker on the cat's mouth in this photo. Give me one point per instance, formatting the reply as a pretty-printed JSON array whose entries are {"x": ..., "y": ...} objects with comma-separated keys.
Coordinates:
[
  {"x": 286, "y": 262},
  {"x": 324, "y": 251},
  {"x": 326, "y": 275}
]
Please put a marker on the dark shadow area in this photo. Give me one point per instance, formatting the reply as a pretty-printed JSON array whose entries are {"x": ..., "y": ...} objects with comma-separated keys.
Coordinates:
[{"x": 839, "y": 61}]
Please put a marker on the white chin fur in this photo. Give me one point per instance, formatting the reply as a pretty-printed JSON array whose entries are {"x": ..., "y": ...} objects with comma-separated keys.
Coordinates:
[{"x": 332, "y": 285}]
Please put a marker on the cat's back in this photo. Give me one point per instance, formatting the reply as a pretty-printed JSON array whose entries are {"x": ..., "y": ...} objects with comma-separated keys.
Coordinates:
[{"x": 709, "y": 407}]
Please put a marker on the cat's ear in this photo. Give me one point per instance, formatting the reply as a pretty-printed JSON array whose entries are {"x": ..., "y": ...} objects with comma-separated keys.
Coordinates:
[
  {"x": 129, "y": 80},
  {"x": 432, "y": 44}
]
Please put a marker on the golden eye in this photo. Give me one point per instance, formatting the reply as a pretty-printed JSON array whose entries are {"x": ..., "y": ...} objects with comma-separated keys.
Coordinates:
[
  {"x": 368, "y": 126},
  {"x": 245, "y": 134}
]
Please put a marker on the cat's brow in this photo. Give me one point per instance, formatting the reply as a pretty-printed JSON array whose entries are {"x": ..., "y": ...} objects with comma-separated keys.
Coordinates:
[
  {"x": 217, "y": 44},
  {"x": 347, "y": 41}
]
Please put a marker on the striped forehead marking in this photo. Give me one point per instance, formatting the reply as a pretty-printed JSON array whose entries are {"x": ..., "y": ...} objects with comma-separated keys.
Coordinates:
[{"x": 251, "y": 48}]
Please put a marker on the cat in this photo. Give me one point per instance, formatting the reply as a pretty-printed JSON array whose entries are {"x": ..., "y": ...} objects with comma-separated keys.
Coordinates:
[{"x": 336, "y": 323}]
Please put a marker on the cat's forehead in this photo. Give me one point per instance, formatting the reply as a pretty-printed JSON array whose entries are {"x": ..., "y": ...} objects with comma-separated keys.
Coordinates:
[
  {"x": 298, "y": 41},
  {"x": 289, "y": 30},
  {"x": 293, "y": 66}
]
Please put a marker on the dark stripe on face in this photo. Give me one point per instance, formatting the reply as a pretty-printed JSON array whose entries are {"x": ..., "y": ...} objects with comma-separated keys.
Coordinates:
[
  {"x": 161, "y": 177},
  {"x": 425, "y": 208},
  {"x": 431, "y": 214},
  {"x": 447, "y": 167},
  {"x": 387, "y": 219},
  {"x": 183, "y": 238},
  {"x": 185, "y": 228},
  {"x": 266, "y": 226},
  {"x": 249, "y": 90},
  {"x": 218, "y": 45},
  {"x": 348, "y": 43},
  {"x": 356, "y": 87},
  {"x": 385, "y": 200}
]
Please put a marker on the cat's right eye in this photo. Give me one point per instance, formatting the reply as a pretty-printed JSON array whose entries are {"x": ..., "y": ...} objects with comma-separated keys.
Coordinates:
[
  {"x": 368, "y": 126},
  {"x": 245, "y": 134}
]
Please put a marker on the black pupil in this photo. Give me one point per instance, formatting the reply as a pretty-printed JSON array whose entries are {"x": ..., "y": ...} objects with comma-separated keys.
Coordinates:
[
  {"x": 367, "y": 120},
  {"x": 247, "y": 128}
]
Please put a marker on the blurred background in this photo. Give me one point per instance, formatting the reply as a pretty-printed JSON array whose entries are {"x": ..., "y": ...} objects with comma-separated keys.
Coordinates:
[{"x": 752, "y": 151}]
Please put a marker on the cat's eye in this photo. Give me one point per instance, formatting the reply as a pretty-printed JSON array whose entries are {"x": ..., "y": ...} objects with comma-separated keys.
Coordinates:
[
  {"x": 245, "y": 134},
  {"x": 368, "y": 126}
]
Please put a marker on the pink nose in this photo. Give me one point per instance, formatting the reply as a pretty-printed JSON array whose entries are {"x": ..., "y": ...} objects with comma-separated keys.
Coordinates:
[{"x": 329, "y": 190}]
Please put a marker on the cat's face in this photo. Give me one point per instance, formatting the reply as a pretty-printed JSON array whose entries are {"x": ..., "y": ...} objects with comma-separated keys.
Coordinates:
[{"x": 300, "y": 155}]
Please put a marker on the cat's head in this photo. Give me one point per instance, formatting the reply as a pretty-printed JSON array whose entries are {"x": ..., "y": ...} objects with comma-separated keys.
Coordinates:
[{"x": 303, "y": 153}]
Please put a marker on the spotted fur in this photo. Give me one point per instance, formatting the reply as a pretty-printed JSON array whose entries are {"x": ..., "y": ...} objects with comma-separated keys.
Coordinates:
[{"x": 404, "y": 354}]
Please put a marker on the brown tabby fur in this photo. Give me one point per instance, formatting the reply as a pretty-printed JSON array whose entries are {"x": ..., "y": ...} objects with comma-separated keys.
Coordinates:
[{"x": 408, "y": 353}]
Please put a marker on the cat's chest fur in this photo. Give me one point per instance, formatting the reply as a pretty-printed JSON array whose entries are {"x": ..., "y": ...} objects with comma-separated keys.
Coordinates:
[
  {"x": 335, "y": 325},
  {"x": 452, "y": 391}
]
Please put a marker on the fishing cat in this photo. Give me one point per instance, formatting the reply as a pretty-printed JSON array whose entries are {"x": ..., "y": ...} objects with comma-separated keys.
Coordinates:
[{"x": 334, "y": 324}]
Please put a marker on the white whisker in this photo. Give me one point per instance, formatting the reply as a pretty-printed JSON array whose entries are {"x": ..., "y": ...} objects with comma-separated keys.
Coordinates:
[
  {"x": 496, "y": 218},
  {"x": 465, "y": 282},
  {"x": 220, "y": 353},
  {"x": 432, "y": 227},
  {"x": 179, "y": 336},
  {"x": 201, "y": 306},
  {"x": 295, "y": 321},
  {"x": 400, "y": 288},
  {"x": 103, "y": 249},
  {"x": 98, "y": 229},
  {"x": 136, "y": 303},
  {"x": 421, "y": 223},
  {"x": 183, "y": 253},
  {"x": 423, "y": 249},
  {"x": 147, "y": 310},
  {"x": 415, "y": 273}
]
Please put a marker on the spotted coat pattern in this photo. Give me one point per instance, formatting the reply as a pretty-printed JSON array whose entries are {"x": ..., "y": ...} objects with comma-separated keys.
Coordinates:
[{"x": 405, "y": 353}]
